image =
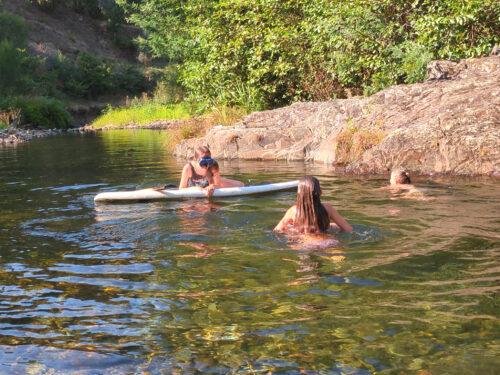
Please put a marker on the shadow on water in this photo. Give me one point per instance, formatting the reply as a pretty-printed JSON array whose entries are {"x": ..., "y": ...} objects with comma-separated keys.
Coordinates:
[{"x": 206, "y": 286}]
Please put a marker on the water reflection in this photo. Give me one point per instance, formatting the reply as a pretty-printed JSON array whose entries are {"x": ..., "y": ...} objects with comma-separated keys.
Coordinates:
[{"x": 207, "y": 286}]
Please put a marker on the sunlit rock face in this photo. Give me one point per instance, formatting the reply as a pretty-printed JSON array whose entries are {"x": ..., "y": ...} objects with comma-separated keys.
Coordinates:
[{"x": 447, "y": 124}]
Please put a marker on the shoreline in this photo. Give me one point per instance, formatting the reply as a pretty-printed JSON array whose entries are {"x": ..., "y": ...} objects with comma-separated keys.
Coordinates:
[{"x": 14, "y": 136}]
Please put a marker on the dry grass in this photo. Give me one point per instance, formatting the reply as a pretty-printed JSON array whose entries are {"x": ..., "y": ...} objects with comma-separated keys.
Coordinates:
[
  {"x": 224, "y": 115},
  {"x": 11, "y": 116},
  {"x": 353, "y": 142},
  {"x": 198, "y": 126}
]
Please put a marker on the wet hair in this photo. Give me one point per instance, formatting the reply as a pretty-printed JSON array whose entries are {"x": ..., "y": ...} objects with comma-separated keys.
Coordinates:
[
  {"x": 400, "y": 176},
  {"x": 202, "y": 152},
  {"x": 310, "y": 216},
  {"x": 214, "y": 168}
]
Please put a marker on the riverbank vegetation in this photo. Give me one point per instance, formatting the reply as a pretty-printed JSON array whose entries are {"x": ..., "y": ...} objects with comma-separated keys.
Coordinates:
[
  {"x": 205, "y": 57},
  {"x": 266, "y": 53},
  {"x": 39, "y": 89}
]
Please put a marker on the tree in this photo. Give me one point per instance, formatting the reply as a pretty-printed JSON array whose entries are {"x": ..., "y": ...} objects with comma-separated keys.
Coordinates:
[{"x": 268, "y": 53}]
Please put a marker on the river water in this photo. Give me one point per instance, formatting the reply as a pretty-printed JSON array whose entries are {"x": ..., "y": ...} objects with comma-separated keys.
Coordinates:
[{"x": 198, "y": 286}]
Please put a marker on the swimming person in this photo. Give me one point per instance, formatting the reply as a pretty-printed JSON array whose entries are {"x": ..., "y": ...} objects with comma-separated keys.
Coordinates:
[
  {"x": 400, "y": 179},
  {"x": 400, "y": 184},
  {"x": 309, "y": 215},
  {"x": 203, "y": 173}
]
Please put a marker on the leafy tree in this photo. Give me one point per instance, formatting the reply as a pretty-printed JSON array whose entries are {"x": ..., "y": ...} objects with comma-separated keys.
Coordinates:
[
  {"x": 268, "y": 53},
  {"x": 165, "y": 24}
]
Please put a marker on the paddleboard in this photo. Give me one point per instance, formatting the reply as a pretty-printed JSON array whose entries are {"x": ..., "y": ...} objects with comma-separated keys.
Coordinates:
[{"x": 152, "y": 194}]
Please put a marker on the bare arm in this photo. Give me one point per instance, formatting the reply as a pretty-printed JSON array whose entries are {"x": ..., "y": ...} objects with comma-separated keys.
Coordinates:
[
  {"x": 216, "y": 179},
  {"x": 214, "y": 182},
  {"x": 288, "y": 218},
  {"x": 186, "y": 173},
  {"x": 337, "y": 219}
]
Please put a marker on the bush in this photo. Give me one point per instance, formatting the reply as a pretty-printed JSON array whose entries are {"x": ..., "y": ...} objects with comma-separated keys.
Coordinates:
[
  {"x": 130, "y": 80},
  {"x": 47, "y": 5},
  {"x": 11, "y": 72},
  {"x": 269, "y": 53},
  {"x": 40, "y": 112},
  {"x": 94, "y": 74},
  {"x": 13, "y": 28}
]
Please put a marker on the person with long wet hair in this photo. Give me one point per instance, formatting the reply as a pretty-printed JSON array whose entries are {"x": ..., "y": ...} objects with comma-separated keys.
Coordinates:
[
  {"x": 203, "y": 173},
  {"x": 309, "y": 215}
]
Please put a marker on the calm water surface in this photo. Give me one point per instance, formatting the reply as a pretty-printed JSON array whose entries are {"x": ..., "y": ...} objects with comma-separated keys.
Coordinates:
[{"x": 200, "y": 286}]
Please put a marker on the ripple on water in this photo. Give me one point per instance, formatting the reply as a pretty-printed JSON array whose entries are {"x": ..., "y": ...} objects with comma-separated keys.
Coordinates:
[{"x": 206, "y": 286}]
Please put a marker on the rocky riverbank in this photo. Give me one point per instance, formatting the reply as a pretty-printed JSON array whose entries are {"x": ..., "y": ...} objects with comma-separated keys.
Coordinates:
[
  {"x": 13, "y": 136},
  {"x": 448, "y": 124}
]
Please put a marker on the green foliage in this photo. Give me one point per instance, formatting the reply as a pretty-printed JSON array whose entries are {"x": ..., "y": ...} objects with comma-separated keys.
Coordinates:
[
  {"x": 113, "y": 13},
  {"x": 267, "y": 53},
  {"x": 165, "y": 25},
  {"x": 128, "y": 79},
  {"x": 141, "y": 113},
  {"x": 13, "y": 28},
  {"x": 39, "y": 111},
  {"x": 94, "y": 74},
  {"x": 13, "y": 36},
  {"x": 90, "y": 7},
  {"x": 90, "y": 77},
  {"x": 10, "y": 67},
  {"x": 459, "y": 29},
  {"x": 47, "y": 5}
]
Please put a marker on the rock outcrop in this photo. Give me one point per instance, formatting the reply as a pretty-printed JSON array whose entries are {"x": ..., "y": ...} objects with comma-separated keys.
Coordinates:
[{"x": 448, "y": 124}]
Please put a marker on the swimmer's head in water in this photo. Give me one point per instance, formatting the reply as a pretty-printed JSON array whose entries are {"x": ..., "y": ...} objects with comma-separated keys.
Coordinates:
[
  {"x": 399, "y": 176},
  {"x": 311, "y": 216}
]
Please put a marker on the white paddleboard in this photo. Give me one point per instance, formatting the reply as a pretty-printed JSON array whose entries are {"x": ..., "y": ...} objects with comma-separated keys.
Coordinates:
[{"x": 151, "y": 194}]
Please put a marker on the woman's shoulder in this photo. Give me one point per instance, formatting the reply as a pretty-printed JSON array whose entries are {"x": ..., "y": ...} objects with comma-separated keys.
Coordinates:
[
  {"x": 187, "y": 167},
  {"x": 290, "y": 213}
]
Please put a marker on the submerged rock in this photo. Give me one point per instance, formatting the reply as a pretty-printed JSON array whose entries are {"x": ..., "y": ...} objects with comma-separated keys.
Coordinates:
[{"x": 447, "y": 124}]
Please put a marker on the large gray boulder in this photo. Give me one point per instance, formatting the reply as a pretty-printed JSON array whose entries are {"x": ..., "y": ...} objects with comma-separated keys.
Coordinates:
[{"x": 448, "y": 124}]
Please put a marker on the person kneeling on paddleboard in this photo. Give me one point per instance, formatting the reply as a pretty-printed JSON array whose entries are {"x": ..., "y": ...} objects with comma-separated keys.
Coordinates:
[{"x": 203, "y": 173}]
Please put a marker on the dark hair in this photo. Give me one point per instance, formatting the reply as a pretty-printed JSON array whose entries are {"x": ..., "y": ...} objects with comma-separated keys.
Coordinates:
[
  {"x": 310, "y": 216},
  {"x": 401, "y": 177},
  {"x": 214, "y": 167},
  {"x": 202, "y": 152}
]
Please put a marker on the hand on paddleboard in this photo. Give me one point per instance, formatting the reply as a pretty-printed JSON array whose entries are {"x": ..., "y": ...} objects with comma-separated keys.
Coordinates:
[{"x": 209, "y": 190}]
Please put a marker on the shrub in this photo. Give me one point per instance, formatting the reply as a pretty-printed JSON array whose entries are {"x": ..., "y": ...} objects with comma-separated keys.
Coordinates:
[
  {"x": 93, "y": 74},
  {"x": 13, "y": 28},
  {"x": 40, "y": 112},
  {"x": 10, "y": 67},
  {"x": 269, "y": 53},
  {"x": 130, "y": 80},
  {"x": 168, "y": 90},
  {"x": 45, "y": 4}
]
